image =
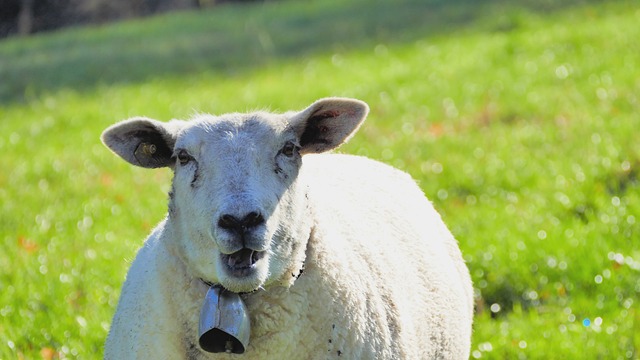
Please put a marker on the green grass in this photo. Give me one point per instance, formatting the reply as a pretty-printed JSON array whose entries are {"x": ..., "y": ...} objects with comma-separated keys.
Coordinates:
[{"x": 520, "y": 122}]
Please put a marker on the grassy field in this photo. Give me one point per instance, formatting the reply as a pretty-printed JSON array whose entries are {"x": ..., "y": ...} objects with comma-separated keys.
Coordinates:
[{"x": 520, "y": 121}]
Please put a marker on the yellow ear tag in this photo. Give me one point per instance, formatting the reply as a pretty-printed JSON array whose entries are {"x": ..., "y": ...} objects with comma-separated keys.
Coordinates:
[{"x": 148, "y": 149}]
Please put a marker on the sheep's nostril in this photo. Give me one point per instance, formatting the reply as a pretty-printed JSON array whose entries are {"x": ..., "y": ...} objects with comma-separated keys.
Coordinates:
[
  {"x": 230, "y": 222},
  {"x": 253, "y": 219}
]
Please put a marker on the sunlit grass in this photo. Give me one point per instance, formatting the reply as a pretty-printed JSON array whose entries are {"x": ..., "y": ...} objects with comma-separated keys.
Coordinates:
[{"x": 522, "y": 128}]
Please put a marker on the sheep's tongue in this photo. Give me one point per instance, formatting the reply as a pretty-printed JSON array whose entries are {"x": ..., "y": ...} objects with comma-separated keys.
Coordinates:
[{"x": 241, "y": 259}]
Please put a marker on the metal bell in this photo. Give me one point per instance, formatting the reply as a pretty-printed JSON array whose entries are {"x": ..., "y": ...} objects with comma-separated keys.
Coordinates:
[{"x": 224, "y": 322}]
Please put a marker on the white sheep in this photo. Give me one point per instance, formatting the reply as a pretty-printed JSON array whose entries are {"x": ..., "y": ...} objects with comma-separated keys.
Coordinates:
[{"x": 336, "y": 256}]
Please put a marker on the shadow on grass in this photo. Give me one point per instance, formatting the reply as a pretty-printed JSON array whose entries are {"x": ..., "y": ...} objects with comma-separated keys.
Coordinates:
[{"x": 234, "y": 38}]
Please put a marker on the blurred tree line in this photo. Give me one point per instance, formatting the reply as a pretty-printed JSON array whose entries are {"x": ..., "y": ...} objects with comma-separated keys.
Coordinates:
[{"x": 24, "y": 17}]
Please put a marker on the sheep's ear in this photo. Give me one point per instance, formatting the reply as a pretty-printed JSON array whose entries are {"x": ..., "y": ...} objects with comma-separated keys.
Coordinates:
[
  {"x": 328, "y": 123},
  {"x": 143, "y": 142}
]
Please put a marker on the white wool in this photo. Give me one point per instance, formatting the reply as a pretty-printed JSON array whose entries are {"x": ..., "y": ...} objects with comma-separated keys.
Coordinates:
[{"x": 383, "y": 277}]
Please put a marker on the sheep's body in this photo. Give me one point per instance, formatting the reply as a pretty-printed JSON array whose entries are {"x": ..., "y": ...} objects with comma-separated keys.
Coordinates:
[{"x": 383, "y": 279}]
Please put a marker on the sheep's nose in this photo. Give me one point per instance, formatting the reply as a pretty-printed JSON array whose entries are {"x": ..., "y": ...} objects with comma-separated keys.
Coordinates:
[{"x": 233, "y": 223}]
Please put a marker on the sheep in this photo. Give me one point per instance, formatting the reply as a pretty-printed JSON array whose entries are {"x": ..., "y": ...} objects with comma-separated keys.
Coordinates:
[{"x": 334, "y": 256}]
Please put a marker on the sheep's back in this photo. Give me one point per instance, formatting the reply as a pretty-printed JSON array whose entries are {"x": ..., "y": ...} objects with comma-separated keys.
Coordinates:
[{"x": 381, "y": 240}]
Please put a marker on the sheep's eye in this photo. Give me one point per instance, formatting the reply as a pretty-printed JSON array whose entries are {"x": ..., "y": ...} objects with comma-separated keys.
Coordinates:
[
  {"x": 289, "y": 149},
  {"x": 184, "y": 157}
]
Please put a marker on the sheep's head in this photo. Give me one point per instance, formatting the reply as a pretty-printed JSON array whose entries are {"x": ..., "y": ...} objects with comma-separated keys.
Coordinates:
[{"x": 237, "y": 210}]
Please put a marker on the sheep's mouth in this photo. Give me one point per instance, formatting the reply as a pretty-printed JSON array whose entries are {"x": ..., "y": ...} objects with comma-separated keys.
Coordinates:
[{"x": 242, "y": 262}]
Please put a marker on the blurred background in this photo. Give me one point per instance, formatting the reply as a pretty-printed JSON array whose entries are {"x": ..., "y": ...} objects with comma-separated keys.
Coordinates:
[
  {"x": 519, "y": 120},
  {"x": 25, "y": 17}
]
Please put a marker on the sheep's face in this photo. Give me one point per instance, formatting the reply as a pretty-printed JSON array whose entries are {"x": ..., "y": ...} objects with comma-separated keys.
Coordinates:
[
  {"x": 236, "y": 204},
  {"x": 238, "y": 212}
]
